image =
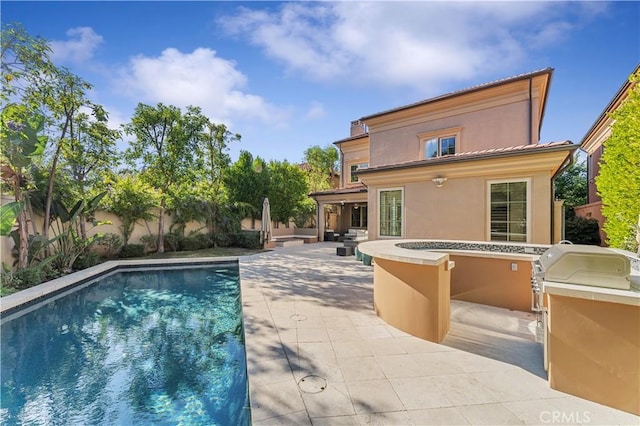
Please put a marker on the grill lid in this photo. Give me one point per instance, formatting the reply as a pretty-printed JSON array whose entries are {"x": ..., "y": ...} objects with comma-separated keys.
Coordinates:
[{"x": 586, "y": 265}]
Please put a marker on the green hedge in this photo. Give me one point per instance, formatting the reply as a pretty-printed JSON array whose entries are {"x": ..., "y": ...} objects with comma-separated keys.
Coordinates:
[
  {"x": 132, "y": 250},
  {"x": 246, "y": 239}
]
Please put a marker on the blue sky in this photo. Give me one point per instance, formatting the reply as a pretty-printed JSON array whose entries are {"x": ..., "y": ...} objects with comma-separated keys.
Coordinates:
[{"x": 287, "y": 76}]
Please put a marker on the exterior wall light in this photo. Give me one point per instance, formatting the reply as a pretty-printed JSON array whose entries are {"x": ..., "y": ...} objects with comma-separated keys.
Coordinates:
[{"x": 439, "y": 181}]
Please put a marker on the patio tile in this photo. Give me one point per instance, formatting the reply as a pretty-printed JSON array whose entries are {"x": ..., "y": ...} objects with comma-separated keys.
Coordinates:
[
  {"x": 346, "y": 333},
  {"x": 365, "y": 319},
  {"x": 489, "y": 414},
  {"x": 385, "y": 346},
  {"x": 263, "y": 372},
  {"x": 374, "y": 396},
  {"x": 323, "y": 363},
  {"x": 461, "y": 389},
  {"x": 333, "y": 401},
  {"x": 335, "y": 421},
  {"x": 313, "y": 335},
  {"x": 353, "y": 348},
  {"x": 412, "y": 344},
  {"x": 275, "y": 400},
  {"x": 419, "y": 393},
  {"x": 437, "y": 363},
  {"x": 360, "y": 368},
  {"x": 299, "y": 418},
  {"x": 392, "y": 418},
  {"x": 401, "y": 365},
  {"x": 516, "y": 384},
  {"x": 337, "y": 322},
  {"x": 446, "y": 416},
  {"x": 373, "y": 331}
]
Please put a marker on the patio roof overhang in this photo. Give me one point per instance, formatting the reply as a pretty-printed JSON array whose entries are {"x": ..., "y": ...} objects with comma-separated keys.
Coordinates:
[{"x": 354, "y": 194}]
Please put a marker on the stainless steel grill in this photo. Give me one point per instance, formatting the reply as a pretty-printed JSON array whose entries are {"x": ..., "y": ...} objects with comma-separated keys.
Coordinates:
[
  {"x": 575, "y": 264},
  {"x": 584, "y": 265}
]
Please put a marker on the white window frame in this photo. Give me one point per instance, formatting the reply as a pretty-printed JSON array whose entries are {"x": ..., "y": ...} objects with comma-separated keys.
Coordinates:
[
  {"x": 402, "y": 213},
  {"x": 359, "y": 166},
  {"x": 528, "y": 208},
  {"x": 451, "y": 132}
]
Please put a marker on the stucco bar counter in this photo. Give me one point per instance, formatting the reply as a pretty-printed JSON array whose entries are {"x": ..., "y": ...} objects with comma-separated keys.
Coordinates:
[
  {"x": 594, "y": 342},
  {"x": 415, "y": 280}
]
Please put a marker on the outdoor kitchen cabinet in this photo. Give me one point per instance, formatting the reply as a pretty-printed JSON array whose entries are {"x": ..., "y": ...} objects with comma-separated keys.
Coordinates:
[{"x": 593, "y": 345}]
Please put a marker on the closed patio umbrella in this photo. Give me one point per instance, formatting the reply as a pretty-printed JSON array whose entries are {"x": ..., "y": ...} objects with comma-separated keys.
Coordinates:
[{"x": 266, "y": 222}]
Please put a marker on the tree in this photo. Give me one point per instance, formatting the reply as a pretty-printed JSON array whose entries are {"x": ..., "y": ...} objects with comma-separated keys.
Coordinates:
[
  {"x": 247, "y": 182},
  {"x": 165, "y": 140},
  {"x": 322, "y": 163},
  {"x": 214, "y": 162},
  {"x": 63, "y": 99},
  {"x": 619, "y": 180},
  {"x": 19, "y": 141},
  {"x": 571, "y": 185},
  {"x": 90, "y": 155},
  {"x": 25, "y": 63},
  {"x": 132, "y": 201},
  {"x": 288, "y": 189}
]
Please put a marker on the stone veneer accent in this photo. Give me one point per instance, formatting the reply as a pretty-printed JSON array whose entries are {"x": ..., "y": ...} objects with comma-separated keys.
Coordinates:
[{"x": 491, "y": 247}]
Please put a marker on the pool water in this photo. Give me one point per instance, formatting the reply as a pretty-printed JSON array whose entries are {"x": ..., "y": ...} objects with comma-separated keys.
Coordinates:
[{"x": 135, "y": 347}]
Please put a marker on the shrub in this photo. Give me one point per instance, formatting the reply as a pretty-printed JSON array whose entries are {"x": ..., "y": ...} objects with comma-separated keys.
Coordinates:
[
  {"x": 86, "y": 260},
  {"x": 111, "y": 244},
  {"x": 223, "y": 239},
  {"x": 150, "y": 242},
  {"x": 132, "y": 250},
  {"x": 580, "y": 230},
  {"x": 27, "y": 277},
  {"x": 197, "y": 242},
  {"x": 173, "y": 241},
  {"x": 246, "y": 239}
]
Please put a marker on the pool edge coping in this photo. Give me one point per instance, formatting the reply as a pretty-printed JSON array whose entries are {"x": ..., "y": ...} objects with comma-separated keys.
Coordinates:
[{"x": 15, "y": 301}]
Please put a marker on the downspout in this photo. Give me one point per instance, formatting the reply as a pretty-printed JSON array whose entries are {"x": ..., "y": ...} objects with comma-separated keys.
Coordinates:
[
  {"x": 565, "y": 165},
  {"x": 341, "y": 166},
  {"x": 530, "y": 138}
]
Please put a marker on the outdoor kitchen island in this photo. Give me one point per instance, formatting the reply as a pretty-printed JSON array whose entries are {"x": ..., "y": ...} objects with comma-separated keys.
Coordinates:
[
  {"x": 414, "y": 281},
  {"x": 591, "y": 330}
]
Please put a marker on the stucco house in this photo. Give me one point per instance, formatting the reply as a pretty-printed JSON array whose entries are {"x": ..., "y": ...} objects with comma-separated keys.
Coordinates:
[
  {"x": 592, "y": 144},
  {"x": 466, "y": 165}
]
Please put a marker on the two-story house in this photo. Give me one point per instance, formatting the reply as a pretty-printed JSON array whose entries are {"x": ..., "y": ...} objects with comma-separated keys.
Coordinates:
[{"x": 466, "y": 165}]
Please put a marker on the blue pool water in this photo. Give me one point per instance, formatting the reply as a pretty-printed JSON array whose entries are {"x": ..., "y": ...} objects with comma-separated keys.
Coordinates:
[{"x": 136, "y": 347}]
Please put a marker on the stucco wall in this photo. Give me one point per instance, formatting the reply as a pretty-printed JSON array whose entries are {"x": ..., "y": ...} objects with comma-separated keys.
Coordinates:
[
  {"x": 594, "y": 351},
  {"x": 353, "y": 152},
  {"x": 140, "y": 230},
  {"x": 413, "y": 298},
  {"x": 494, "y": 127},
  {"x": 459, "y": 211},
  {"x": 491, "y": 281}
]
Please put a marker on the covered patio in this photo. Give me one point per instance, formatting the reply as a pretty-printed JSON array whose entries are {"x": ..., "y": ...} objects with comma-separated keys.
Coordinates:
[{"x": 340, "y": 210}]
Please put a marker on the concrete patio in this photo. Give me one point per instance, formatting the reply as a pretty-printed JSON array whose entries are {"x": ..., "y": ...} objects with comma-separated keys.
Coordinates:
[{"x": 317, "y": 354}]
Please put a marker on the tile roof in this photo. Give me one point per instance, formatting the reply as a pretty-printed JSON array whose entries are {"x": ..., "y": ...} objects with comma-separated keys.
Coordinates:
[
  {"x": 477, "y": 155},
  {"x": 465, "y": 91},
  {"x": 350, "y": 190}
]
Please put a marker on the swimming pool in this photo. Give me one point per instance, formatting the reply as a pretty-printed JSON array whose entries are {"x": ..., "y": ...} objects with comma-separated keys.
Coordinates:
[{"x": 152, "y": 346}]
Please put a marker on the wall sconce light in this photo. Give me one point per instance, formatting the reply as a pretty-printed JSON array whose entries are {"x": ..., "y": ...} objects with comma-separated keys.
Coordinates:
[
  {"x": 356, "y": 206},
  {"x": 439, "y": 181}
]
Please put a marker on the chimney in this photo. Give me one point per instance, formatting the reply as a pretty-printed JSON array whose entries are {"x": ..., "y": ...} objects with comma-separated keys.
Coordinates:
[{"x": 357, "y": 128}]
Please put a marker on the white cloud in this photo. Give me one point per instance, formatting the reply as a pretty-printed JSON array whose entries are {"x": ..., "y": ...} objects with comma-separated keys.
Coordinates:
[
  {"x": 82, "y": 43},
  {"x": 411, "y": 44},
  {"x": 199, "y": 78},
  {"x": 316, "y": 110}
]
